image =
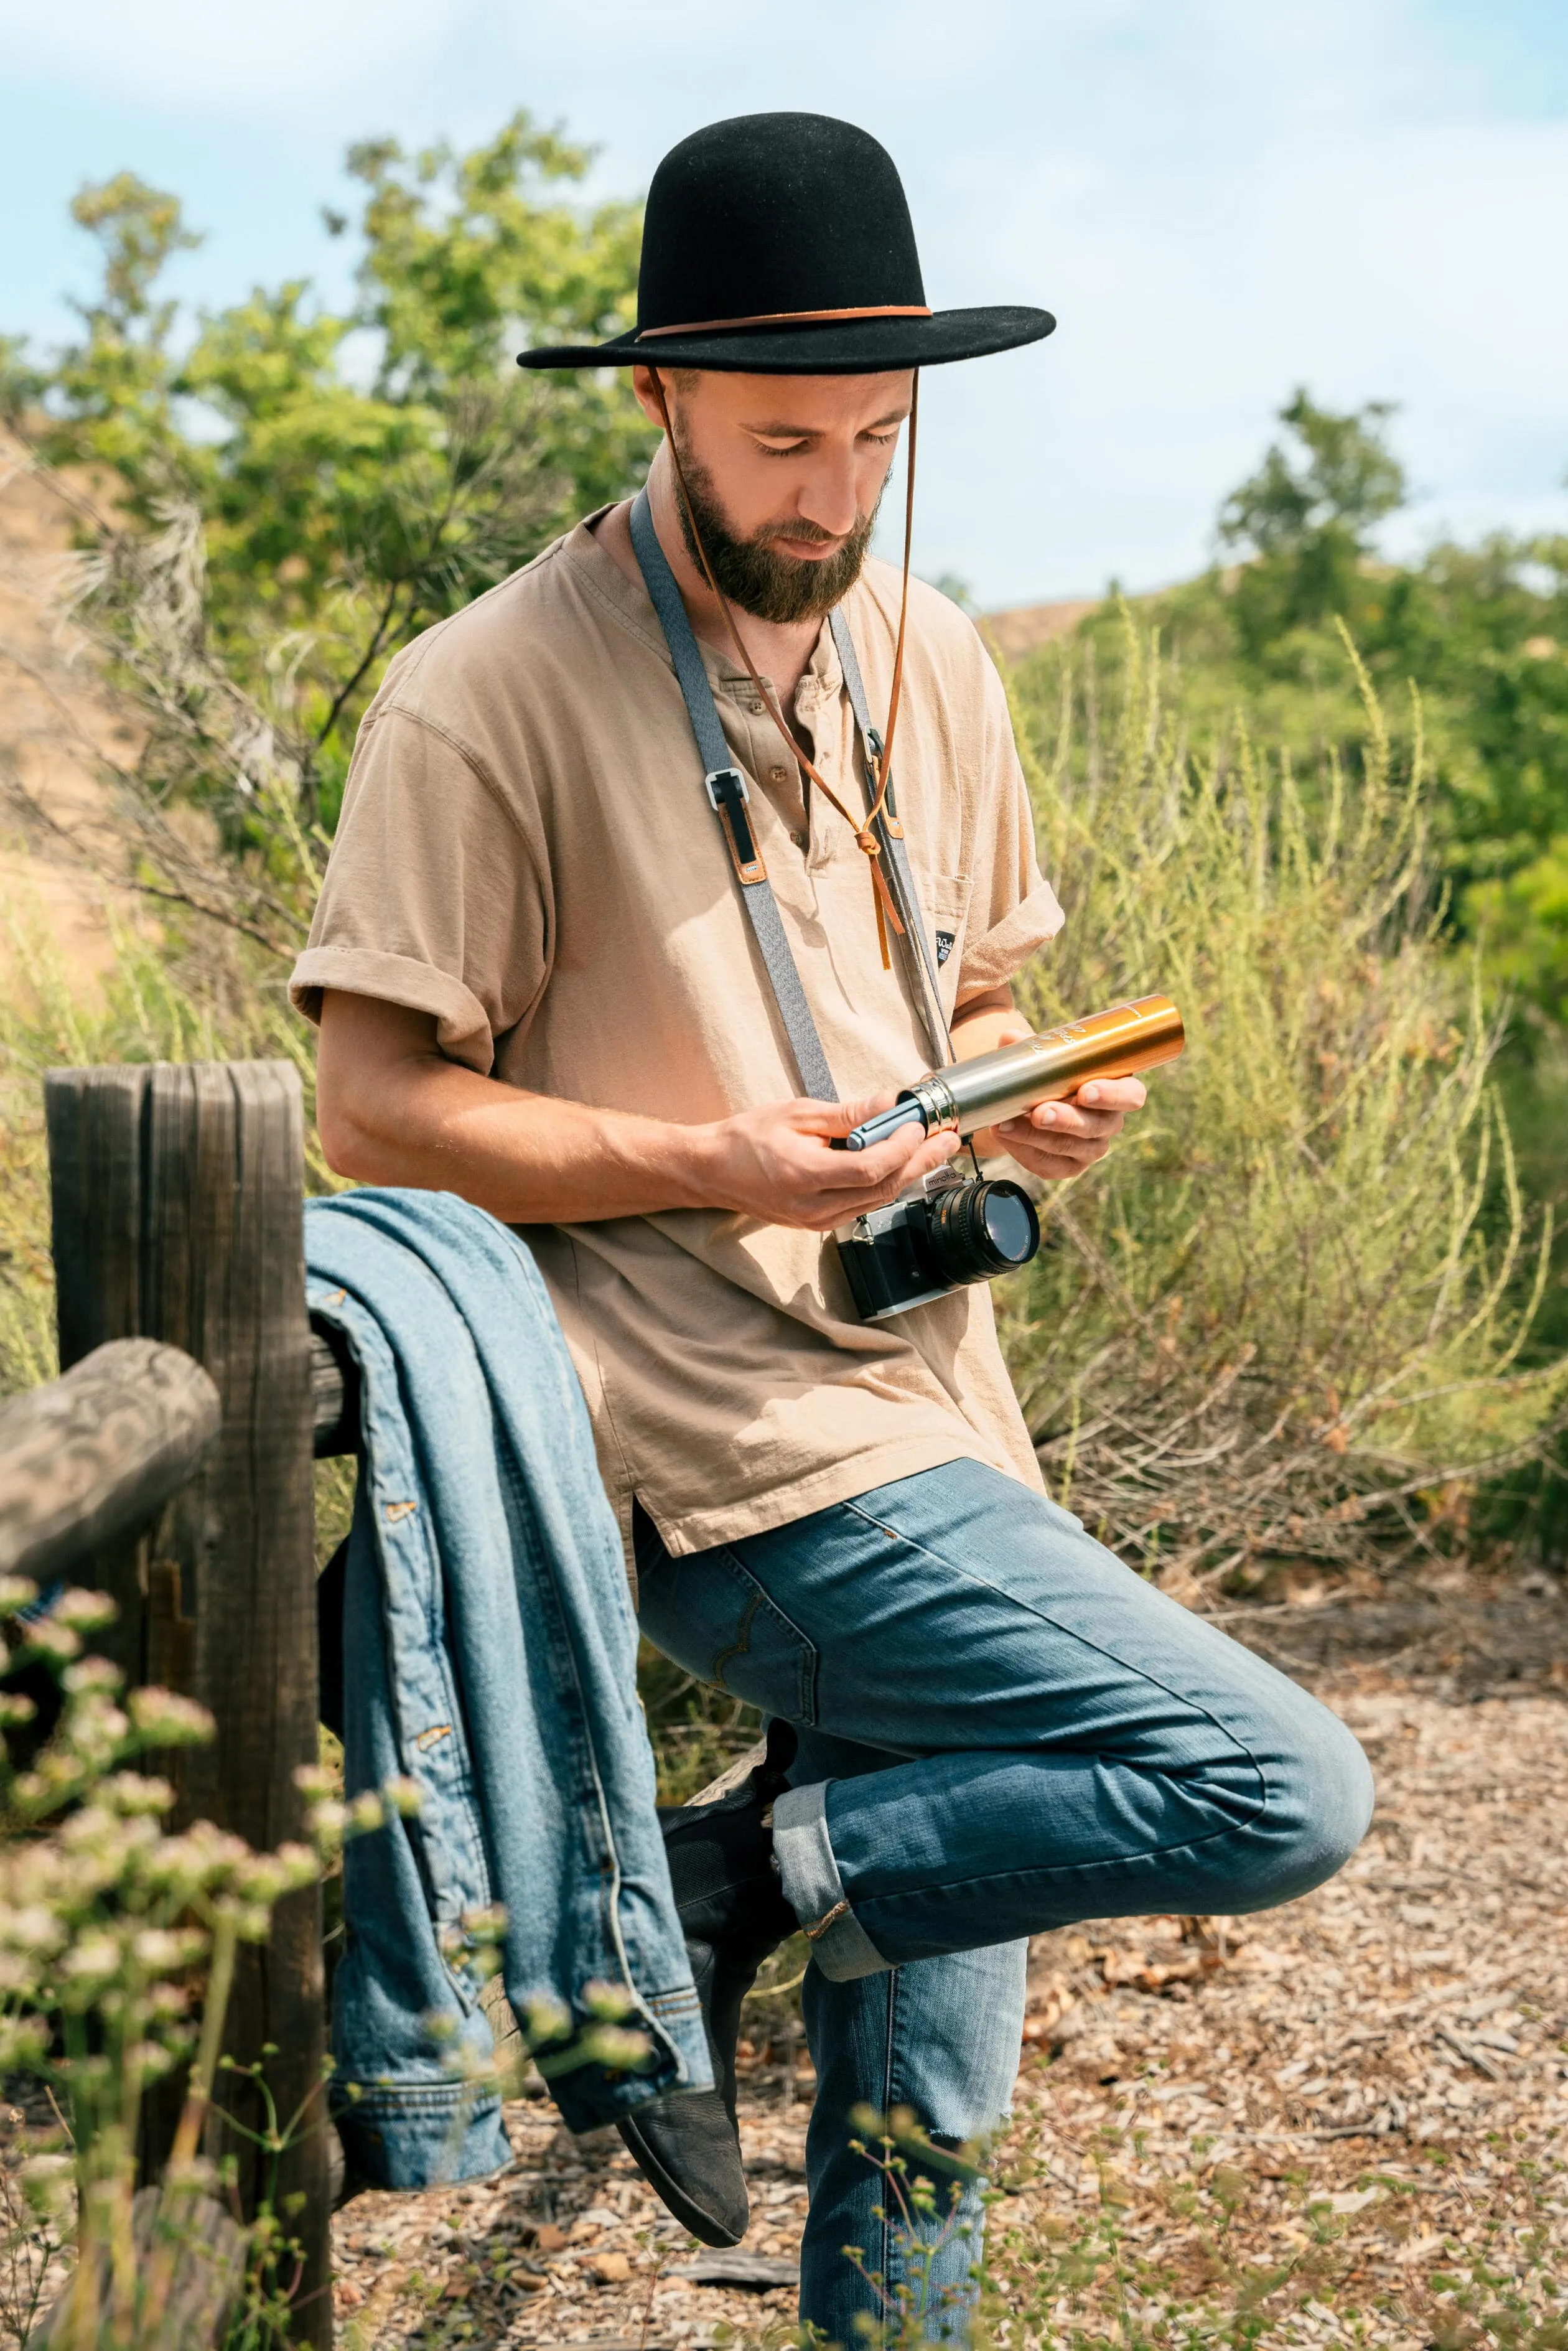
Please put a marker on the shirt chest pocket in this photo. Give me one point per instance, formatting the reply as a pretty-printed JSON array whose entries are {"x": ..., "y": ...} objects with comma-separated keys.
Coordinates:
[{"x": 945, "y": 902}]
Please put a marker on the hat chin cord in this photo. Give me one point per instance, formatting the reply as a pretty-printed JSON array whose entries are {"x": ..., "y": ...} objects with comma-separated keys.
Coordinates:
[{"x": 881, "y": 768}]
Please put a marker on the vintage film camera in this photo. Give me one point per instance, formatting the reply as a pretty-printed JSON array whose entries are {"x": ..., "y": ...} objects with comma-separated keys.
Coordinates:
[{"x": 950, "y": 1229}]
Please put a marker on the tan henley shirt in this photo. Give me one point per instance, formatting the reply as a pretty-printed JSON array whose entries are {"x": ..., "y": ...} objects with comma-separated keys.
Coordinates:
[{"x": 526, "y": 851}]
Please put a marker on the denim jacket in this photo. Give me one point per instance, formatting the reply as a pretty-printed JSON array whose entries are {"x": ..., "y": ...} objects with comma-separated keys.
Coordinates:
[{"x": 490, "y": 1657}]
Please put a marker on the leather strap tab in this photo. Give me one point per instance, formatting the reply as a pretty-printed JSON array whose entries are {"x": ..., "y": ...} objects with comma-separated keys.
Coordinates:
[{"x": 726, "y": 791}]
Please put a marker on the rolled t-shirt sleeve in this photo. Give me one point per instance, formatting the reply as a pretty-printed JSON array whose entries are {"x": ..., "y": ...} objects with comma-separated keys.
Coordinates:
[
  {"x": 1013, "y": 910},
  {"x": 436, "y": 891}
]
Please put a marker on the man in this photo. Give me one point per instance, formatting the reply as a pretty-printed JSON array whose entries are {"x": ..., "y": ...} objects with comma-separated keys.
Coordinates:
[{"x": 537, "y": 987}]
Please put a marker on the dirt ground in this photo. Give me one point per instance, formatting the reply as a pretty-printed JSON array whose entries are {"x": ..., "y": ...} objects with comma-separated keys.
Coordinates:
[{"x": 1343, "y": 2120}]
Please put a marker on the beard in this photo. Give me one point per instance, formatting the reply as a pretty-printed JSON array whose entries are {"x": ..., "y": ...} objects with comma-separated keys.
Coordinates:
[{"x": 752, "y": 572}]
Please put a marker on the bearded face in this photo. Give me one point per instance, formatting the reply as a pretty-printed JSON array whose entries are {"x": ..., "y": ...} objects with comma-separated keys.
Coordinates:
[{"x": 754, "y": 573}]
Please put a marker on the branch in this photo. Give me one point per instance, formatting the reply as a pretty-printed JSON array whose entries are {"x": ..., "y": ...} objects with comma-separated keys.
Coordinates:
[{"x": 343, "y": 697}]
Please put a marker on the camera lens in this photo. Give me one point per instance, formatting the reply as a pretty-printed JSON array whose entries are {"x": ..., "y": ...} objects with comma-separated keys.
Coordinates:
[{"x": 977, "y": 1230}]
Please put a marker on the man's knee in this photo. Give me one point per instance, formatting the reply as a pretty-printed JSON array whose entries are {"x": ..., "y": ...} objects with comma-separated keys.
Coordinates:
[{"x": 1317, "y": 1810}]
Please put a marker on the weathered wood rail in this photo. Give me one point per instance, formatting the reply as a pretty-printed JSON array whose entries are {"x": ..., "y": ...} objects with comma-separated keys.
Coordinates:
[
  {"x": 98, "y": 1452},
  {"x": 170, "y": 1465}
]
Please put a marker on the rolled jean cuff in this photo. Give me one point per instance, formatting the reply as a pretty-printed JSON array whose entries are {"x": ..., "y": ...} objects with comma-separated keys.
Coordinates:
[{"x": 814, "y": 1890}]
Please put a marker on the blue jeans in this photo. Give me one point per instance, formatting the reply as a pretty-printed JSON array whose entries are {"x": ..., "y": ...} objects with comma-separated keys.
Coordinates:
[{"x": 1002, "y": 1730}]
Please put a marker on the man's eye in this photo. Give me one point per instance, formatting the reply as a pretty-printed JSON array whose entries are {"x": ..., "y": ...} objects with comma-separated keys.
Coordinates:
[{"x": 781, "y": 448}]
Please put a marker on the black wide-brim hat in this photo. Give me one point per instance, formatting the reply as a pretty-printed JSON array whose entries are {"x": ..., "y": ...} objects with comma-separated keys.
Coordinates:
[{"x": 781, "y": 245}]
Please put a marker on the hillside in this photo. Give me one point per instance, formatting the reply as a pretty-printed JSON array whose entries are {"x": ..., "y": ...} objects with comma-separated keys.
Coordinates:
[
  {"x": 57, "y": 730},
  {"x": 1022, "y": 629}
]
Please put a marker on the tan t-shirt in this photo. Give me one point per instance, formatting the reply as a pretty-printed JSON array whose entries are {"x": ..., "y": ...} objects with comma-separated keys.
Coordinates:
[{"x": 526, "y": 851}]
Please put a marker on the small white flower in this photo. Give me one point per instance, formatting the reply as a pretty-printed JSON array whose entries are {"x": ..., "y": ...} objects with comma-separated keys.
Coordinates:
[
  {"x": 547, "y": 2019},
  {"x": 485, "y": 1926},
  {"x": 161, "y": 1950},
  {"x": 131, "y": 1792},
  {"x": 54, "y": 1640},
  {"x": 607, "y": 2001},
  {"x": 92, "y": 1673},
  {"x": 618, "y": 2050},
  {"x": 86, "y": 1610},
  {"x": 169, "y": 1719},
  {"x": 95, "y": 1960},
  {"x": 45, "y": 2181},
  {"x": 299, "y": 1865},
  {"x": 35, "y": 1930}
]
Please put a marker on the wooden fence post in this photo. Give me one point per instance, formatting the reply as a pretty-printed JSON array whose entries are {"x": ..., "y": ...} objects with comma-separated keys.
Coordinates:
[{"x": 177, "y": 1193}]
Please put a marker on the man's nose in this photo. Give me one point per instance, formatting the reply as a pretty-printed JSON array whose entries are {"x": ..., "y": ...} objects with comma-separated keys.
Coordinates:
[{"x": 827, "y": 496}]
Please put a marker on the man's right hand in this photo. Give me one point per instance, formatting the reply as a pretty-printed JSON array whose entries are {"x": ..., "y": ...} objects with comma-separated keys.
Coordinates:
[{"x": 778, "y": 1165}]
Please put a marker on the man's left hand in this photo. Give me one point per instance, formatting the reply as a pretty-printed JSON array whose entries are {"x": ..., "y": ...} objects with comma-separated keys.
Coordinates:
[{"x": 1058, "y": 1139}]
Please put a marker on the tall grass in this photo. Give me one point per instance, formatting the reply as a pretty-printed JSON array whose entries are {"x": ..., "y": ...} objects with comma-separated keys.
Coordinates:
[
  {"x": 1292, "y": 1312},
  {"x": 199, "y": 995}
]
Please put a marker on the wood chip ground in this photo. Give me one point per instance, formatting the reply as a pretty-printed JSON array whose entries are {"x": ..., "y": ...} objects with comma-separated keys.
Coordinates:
[
  {"x": 1344, "y": 2121},
  {"x": 1373, "y": 2076}
]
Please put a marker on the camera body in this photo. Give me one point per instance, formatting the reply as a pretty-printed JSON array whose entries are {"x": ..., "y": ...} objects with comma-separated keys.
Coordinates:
[{"x": 943, "y": 1232}]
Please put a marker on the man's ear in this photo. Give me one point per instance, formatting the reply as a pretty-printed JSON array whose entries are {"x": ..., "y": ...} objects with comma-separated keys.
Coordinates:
[
  {"x": 680, "y": 384},
  {"x": 646, "y": 397}
]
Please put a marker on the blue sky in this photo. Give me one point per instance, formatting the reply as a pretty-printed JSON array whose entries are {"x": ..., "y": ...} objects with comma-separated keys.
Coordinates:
[{"x": 1219, "y": 198}]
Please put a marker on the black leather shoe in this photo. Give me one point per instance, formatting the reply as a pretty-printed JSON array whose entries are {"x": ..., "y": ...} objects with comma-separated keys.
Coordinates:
[{"x": 733, "y": 1914}]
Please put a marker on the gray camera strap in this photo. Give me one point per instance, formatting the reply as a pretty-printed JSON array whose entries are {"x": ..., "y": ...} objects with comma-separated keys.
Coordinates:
[{"x": 727, "y": 795}]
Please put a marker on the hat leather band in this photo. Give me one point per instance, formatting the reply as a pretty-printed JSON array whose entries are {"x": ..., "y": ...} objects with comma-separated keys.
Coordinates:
[{"x": 786, "y": 318}]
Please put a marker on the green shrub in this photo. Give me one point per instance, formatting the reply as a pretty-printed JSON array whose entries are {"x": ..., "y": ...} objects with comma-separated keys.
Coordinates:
[{"x": 1280, "y": 1317}]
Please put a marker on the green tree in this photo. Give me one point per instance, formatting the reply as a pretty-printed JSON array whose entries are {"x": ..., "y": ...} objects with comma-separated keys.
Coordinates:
[
  {"x": 1306, "y": 518},
  {"x": 462, "y": 263},
  {"x": 340, "y": 517},
  {"x": 116, "y": 385},
  {"x": 1480, "y": 632},
  {"x": 1484, "y": 630}
]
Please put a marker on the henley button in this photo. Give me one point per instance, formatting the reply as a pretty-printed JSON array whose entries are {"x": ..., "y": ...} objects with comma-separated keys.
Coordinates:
[
  {"x": 758, "y": 708},
  {"x": 799, "y": 839},
  {"x": 778, "y": 775}
]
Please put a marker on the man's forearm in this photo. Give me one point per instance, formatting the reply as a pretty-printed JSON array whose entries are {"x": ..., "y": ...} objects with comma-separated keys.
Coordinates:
[
  {"x": 536, "y": 1158},
  {"x": 415, "y": 1118},
  {"x": 392, "y": 1110}
]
